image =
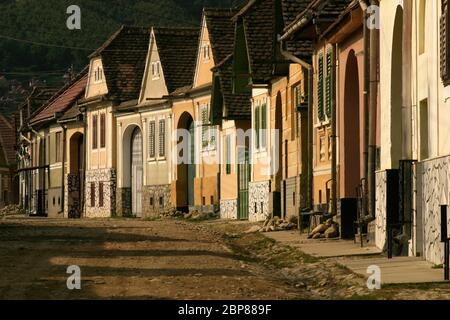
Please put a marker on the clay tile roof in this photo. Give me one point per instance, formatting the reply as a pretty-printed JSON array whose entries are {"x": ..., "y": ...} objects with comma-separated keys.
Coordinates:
[
  {"x": 7, "y": 141},
  {"x": 177, "y": 48},
  {"x": 221, "y": 31},
  {"x": 38, "y": 97},
  {"x": 64, "y": 99},
  {"x": 237, "y": 106},
  {"x": 123, "y": 57}
]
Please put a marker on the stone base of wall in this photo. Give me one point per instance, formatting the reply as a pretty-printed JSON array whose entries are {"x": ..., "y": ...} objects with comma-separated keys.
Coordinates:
[
  {"x": 433, "y": 191},
  {"x": 259, "y": 203},
  {"x": 228, "y": 209},
  {"x": 123, "y": 202},
  {"x": 380, "y": 209},
  {"x": 108, "y": 177},
  {"x": 159, "y": 193},
  {"x": 72, "y": 202}
]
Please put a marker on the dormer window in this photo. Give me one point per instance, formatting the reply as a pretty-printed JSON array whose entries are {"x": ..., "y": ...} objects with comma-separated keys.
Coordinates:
[
  {"x": 98, "y": 74},
  {"x": 156, "y": 70},
  {"x": 206, "y": 52}
]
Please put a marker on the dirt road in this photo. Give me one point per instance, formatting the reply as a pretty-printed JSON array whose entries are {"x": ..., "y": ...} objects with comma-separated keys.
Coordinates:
[{"x": 126, "y": 259}]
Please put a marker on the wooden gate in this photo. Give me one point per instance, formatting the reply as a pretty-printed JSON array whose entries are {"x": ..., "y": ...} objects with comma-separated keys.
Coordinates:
[
  {"x": 243, "y": 181},
  {"x": 136, "y": 172}
]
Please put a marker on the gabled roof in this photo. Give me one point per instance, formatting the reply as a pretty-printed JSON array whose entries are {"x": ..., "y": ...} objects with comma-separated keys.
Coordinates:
[
  {"x": 221, "y": 31},
  {"x": 259, "y": 18},
  {"x": 221, "y": 28},
  {"x": 290, "y": 10},
  {"x": 38, "y": 97},
  {"x": 64, "y": 99},
  {"x": 177, "y": 48},
  {"x": 7, "y": 141},
  {"x": 237, "y": 106},
  {"x": 123, "y": 58}
]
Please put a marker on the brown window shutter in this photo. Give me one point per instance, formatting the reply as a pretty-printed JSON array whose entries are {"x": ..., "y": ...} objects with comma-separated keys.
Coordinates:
[
  {"x": 94, "y": 131},
  {"x": 102, "y": 130},
  {"x": 444, "y": 42}
]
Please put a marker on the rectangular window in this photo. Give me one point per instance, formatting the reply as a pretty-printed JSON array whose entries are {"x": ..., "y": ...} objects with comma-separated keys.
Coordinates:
[
  {"x": 58, "y": 157},
  {"x": 162, "y": 138},
  {"x": 257, "y": 127},
  {"x": 102, "y": 130},
  {"x": 320, "y": 111},
  {"x": 100, "y": 194},
  {"x": 204, "y": 117},
  {"x": 263, "y": 125},
  {"x": 94, "y": 132},
  {"x": 161, "y": 201},
  {"x": 228, "y": 154},
  {"x": 92, "y": 194},
  {"x": 424, "y": 140},
  {"x": 156, "y": 67},
  {"x": 151, "y": 139}
]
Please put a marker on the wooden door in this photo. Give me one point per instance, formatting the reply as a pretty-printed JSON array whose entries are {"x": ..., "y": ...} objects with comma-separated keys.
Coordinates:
[{"x": 137, "y": 172}]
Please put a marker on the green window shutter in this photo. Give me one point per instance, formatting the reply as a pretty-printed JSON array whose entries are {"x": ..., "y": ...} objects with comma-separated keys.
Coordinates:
[
  {"x": 151, "y": 139},
  {"x": 257, "y": 127},
  {"x": 228, "y": 154},
  {"x": 328, "y": 84},
  {"x": 162, "y": 138},
  {"x": 263, "y": 125},
  {"x": 320, "y": 111}
]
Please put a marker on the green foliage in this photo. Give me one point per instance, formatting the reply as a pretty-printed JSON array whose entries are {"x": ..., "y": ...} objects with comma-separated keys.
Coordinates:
[{"x": 36, "y": 22}]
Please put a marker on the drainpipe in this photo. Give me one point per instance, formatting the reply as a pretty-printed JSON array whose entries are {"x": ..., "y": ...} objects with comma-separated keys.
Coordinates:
[
  {"x": 309, "y": 67},
  {"x": 63, "y": 171},
  {"x": 366, "y": 131},
  {"x": 373, "y": 105},
  {"x": 333, "y": 132},
  {"x": 83, "y": 178}
]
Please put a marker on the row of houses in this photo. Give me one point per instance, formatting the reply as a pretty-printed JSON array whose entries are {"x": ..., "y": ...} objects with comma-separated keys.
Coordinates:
[{"x": 277, "y": 107}]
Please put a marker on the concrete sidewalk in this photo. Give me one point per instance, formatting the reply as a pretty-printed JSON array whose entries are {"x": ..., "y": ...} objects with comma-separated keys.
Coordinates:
[
  {"x": 357, "y": 259},
  {"x": 322, "y": 248}
]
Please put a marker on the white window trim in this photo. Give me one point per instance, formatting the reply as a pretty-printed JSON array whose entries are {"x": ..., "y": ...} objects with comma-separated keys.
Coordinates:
[
  {"x": 156, "y": 66},
  {"x": 206, "y": 49}
]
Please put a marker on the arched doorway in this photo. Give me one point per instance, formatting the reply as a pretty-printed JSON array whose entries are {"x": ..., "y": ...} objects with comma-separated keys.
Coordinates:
[
  {"x": 137, "y": 172},
  {"x": 76, "y": 175},
  {"x": 396, "y": 90},
  {"x": 186, "y": 161},
  {"x": 351, "y": 149}
]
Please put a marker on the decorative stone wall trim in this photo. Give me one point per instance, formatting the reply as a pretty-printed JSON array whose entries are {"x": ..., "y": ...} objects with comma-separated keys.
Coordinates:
[
  {"x": 157, "y": 199},
  {"x": 380, "y": 208},
  {"x": 259, "y": 201},
  {"x": 108, "y": 178},
  {"x": 228, "y": 209},
  {"x": 433, "y": 190}
]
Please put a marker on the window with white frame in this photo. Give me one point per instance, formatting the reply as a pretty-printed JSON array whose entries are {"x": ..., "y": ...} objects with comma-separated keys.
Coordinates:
[
  {"x": 209, "y": 133},
  {"x": 98, "y": 74},
  {"x": 156, "y": 70},
  {"x": 260, "y": 124},
  {"x": 206, "y": 52}
]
